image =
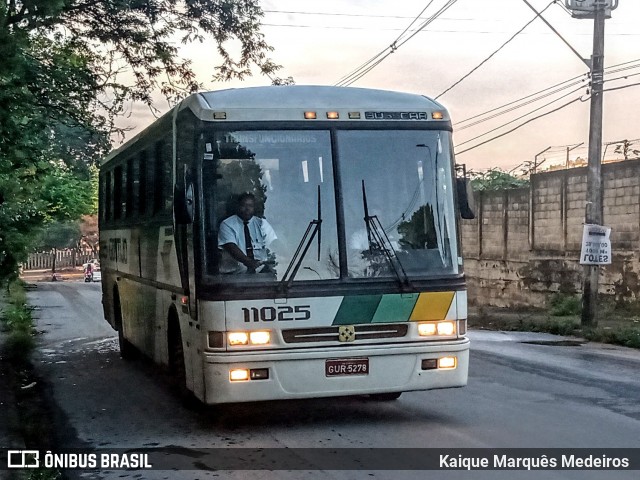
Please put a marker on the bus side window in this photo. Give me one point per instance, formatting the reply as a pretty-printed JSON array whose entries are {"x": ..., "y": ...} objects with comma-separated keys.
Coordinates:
[
  {"x": 129, "y": 189},
  {"x": 117, "y": 193},
  {"x": 108, "y": 197},
  {"x": 141, "y": 178}
]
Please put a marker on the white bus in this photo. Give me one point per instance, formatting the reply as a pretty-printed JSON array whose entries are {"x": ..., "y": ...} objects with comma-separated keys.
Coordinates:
[{"x": 353, "y": 281}]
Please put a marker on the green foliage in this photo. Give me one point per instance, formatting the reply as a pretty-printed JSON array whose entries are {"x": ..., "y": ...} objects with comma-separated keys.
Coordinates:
[
  {"x": 62, "y": 85},
  {"x": 17, "y": 320},
  {"x": 563, "y": 305},
  {"x": 59, "y": 235},
  {"x": 626, "y": 336},
  {"x": 496, "y": 179}
]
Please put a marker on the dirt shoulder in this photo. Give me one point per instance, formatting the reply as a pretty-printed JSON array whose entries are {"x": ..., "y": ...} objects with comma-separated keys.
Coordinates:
[{"x": 618, "y": 326}]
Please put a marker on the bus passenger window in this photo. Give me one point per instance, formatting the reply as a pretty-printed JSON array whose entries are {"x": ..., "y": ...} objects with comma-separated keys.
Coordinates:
[
  {"x": 117, "y": 193},
  {"x": 129, "y": 189}
]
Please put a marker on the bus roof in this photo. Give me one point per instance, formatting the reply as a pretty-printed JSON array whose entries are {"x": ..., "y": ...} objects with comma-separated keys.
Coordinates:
[
  {"x": 289, "y": 102},
  {"x": 320, "y": 97}
]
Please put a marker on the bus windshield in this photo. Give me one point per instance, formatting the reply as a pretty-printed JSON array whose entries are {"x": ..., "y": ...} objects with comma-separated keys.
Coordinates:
[
  {"x": 406, "y": 175},
  {"x": 407, "y": 178}
]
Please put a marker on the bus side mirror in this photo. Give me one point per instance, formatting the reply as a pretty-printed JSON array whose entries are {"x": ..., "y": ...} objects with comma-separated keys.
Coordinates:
[
  {"x": 183, "y": 204},
  {"x": 465, "y": 198}
]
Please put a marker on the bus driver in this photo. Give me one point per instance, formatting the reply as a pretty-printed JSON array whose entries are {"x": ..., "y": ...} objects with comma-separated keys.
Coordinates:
[{"x": 245, "y": 238}]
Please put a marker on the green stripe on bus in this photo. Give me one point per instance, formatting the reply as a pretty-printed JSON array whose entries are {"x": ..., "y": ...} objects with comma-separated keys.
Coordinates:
[
  {"x": 395, "y": 308},
  {"x": 357, "y": 309}
]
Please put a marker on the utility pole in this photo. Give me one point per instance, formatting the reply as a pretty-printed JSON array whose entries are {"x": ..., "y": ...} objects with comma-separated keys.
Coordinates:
[{"x": 593, "y": 211}]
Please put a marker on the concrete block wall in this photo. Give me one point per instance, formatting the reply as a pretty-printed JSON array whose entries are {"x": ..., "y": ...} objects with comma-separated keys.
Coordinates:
[
  {"x": 493, "y": 228},
  {"x": 547, "y": 211},
  {"x": 518, "y": 224},
  {"x": 524, "y": 244}
]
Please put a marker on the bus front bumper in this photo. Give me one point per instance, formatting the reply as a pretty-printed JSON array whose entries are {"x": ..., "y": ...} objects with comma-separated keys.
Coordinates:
[{"x": 303, "y": 374}]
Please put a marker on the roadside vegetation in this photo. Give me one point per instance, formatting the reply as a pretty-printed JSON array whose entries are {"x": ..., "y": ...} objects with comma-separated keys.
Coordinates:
[
  {"x": 618, "y": 323},
  {"x": 71, "y": 71},
  {"x": 18, "y": 324},
  {"x": 34, "y": 419}
]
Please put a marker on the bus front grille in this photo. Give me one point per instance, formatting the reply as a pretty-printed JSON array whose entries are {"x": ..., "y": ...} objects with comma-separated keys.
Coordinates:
[{"x": 331, "y": 334}]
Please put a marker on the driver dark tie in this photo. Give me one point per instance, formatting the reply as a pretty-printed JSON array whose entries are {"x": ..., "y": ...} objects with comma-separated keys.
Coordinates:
[{"x": 247, "y": 241}]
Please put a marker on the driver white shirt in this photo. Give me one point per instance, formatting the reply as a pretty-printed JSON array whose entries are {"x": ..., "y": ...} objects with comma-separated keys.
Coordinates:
[{"x": 261, "y": 233}]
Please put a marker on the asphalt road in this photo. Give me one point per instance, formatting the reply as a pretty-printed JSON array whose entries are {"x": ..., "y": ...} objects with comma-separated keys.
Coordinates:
[{"x": 525, "y": 391}]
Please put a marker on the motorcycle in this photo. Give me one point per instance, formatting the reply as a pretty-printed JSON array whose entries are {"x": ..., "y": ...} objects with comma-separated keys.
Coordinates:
[{"x": 88, "y": 274}]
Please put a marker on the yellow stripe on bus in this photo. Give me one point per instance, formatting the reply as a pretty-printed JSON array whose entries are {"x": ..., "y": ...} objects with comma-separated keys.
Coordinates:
[{"x": 432, "y": 306}]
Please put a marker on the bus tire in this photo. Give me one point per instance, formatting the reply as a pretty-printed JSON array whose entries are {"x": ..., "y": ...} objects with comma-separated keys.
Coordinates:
[
  {"x": 385, "y": 397},
  {"x": 127, "y": 350}
]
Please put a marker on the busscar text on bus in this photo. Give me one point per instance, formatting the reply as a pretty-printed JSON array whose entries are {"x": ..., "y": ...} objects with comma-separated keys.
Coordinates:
[{"x": 289, "y": 242}]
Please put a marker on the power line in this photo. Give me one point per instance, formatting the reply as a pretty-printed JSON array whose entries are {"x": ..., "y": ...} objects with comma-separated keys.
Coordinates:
[
  {"x": 360, "y": 15},
  {"x": 496, "y": 51},
  {"x": 521, "y": 117},
  {"x": 520, "y": 126},
  {"x": 479, "y": 32},
  {"x": 381, "y": 56},
  {"x": 519, "y": 100},
  {"x": 533, "y": 100},
  {"x": 621, "y": 88},
  {"x": 555, "y": 86},
  {"x": 540, "y": 116},
  {"x": 374, "y": 58}
]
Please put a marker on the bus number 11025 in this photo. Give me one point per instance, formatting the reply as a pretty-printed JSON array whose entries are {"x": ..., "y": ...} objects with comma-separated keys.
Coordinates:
[{"x": 283, "y": 313}]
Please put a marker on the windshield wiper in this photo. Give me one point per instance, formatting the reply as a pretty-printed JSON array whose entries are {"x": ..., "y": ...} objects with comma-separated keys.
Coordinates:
[
  {"x": 379, "y": 242},
  {"x": 314, "y": 228}
]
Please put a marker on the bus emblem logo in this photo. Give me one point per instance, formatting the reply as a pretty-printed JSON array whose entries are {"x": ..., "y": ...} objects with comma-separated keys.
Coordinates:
[{"x": 347, "y": 333}]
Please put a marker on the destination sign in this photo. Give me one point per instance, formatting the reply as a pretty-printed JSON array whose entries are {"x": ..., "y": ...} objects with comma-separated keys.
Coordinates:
[{"x": 396, "y": 116}]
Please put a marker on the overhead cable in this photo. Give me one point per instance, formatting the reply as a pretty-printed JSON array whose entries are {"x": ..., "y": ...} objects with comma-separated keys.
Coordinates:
[
  {"x": 375, "y": 57},
  {"x": 540, "y": 116},
  {"x": 496, "y": 51},
  {"x": 520, "y": 126},
  {"x": 365, "y": 68},
  {"x": 521, "y": 117},
  {"x": 608, "y": 70}
]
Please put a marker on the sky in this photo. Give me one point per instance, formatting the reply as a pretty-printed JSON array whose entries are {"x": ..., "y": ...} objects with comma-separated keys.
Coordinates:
[{"x": 318, "y": 43}]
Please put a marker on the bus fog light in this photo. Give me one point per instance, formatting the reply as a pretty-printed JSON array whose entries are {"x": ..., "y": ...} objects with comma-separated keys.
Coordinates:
[
  {"x": 239, "y": 375},
  {"x": 446, "y": 328},
  {"x": 446, "y": 363},
  {"x": 238, "y": 338},
  {"x": 426, "y": 329},
  {"x": 260, "y": 338}
]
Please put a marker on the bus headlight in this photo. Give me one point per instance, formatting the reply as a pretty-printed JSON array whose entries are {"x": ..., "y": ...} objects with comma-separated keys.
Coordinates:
[
  {"x": 429, "y": 329},
  {"x": 446, "y": 328},
  {"x": 238, "y": 338},
  {"x": 447, "y": 363},
  {"x": 239, "y": 375},
  {"x": 261, "y": 337},
  {"x": 426, "y": 329}
]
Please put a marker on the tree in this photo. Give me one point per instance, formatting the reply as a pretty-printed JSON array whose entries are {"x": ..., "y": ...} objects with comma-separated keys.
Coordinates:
[
  {"x": 70, "y": 67},
  {"x": 496, "y": 179},
  {"x": 57, "y": 236}
]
